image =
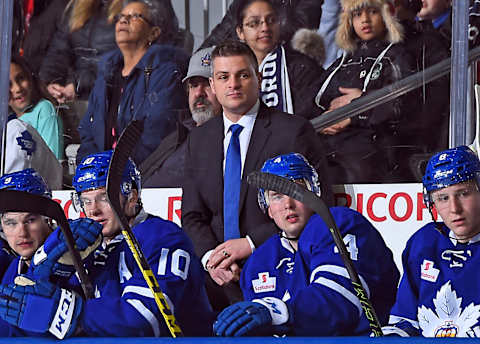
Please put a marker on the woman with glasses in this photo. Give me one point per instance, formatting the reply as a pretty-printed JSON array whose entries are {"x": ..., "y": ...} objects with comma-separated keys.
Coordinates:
[
  {"x": 293, "y": 15},
  {"x": 289, "y": 78},
  {"x": 140, "y": 80},
  {"x": 85, "y": 33}
]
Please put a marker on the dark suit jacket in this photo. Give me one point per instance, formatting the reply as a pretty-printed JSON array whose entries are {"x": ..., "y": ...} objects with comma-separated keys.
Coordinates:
[{"x": 274, "y": 133}]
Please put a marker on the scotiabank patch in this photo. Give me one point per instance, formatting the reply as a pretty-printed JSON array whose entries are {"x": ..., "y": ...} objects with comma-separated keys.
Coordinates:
[
  {"x": 428, "y": 272},
  {"x": 264, "y": 283}
]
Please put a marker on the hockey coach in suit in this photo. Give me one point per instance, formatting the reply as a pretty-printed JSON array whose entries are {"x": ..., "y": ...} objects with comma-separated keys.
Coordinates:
[{"x": 219, "y": 208}]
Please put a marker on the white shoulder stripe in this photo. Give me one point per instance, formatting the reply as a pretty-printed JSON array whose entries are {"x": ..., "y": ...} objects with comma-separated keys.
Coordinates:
[
  {"x": 395, "y": 319},
  {"x": 337, "y": 270},
  {"x": 138, "y": 290},
  {"x": 342, "y": 291},
  {"x": 147, "y": 314},
  {"x": 146, "y": 292}
]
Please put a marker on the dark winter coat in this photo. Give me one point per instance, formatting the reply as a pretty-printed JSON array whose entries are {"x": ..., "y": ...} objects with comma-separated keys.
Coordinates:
[
  {"x": 158, "y": 104},
  {"x": 375, "y": 129},
  {"x": 293, "y": 14},
  {"x": 73, "y": 56},
  {"x": 43, "y": 23},
  {"x": 41, "y": 33},
  {"x": 305, "y": 80},
  {"x": 428, "y": 48},
  {"x": 165, "y": 166}
]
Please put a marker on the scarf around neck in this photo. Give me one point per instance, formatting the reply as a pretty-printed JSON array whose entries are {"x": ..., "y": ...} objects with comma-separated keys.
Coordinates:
[{"x": 275, "y": 86}]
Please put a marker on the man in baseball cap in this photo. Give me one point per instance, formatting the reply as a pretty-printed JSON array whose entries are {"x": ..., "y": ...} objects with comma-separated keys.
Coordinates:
[
  {"x": 164, "y": 168},
  {"x": 202, "y": 102}
]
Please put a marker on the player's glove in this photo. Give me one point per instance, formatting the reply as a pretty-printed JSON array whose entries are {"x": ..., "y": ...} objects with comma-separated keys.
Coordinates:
[
  {"x": 252, "y": 318},
  {"x": 40, "y": 307},
  {"x": 53, "y": 258}
]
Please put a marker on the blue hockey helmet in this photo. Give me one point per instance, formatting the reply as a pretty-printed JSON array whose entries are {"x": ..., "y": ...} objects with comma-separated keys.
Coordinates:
[
  {"x": 92, "y": 174},
  {"x": 450, "y": 167},
  {"x": 293, "y": 166},
  {"x": 27, "y": 180}
]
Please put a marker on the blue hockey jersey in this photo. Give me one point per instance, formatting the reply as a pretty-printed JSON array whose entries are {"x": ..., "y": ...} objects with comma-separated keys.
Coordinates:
[
  {"x": 439, "y": 291},
  {"x": 314, "y": 282},
  {"x": 124, "y": 305}
]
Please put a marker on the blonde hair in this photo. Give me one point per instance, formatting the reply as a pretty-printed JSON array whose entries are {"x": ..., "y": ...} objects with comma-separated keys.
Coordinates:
[{"x": 83, "y": 10}]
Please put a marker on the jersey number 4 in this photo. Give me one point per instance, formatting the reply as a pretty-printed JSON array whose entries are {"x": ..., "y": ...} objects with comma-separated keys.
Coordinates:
[{"x": 351, "y": 243}]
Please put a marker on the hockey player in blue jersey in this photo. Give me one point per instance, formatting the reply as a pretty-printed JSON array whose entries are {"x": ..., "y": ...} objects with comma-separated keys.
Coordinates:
[
  {"x": 438, "y": 294},
  {"x": 296, "y": 282},
  {"x": 124, "y": 305},
  {"x": 31, "y": 235}
]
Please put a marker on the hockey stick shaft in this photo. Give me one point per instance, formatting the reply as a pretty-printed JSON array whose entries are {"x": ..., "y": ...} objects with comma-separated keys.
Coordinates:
[
  {"x": 284, "y": 186},
  {"x": 20, "y": 201},
  {"x": 121, "y": 154}
]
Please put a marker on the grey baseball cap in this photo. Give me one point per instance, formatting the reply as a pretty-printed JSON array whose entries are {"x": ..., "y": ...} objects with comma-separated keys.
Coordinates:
[{"x": 200, "y": 64}]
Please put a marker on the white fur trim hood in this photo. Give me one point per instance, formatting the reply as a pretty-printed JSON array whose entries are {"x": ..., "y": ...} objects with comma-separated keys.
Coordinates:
[
  {"x": 310, "y": 43},
  {"x": 346, "y": 38}
]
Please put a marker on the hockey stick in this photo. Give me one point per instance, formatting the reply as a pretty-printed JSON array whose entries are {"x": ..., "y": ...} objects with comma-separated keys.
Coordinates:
[
  {"x": 285, "y": 186},
  {"x": 121, "y": 154},
  {"x": 20, "y": 201}
]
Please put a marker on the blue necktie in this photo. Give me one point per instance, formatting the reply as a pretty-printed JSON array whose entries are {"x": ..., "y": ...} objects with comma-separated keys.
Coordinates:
[{"x": 231, "y": 185}]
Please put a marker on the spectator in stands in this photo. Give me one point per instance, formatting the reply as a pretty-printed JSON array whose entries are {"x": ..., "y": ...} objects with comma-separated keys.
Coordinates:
[
  {"x": 86, "y": 32},
  {"x": 437, "y": 13},
  {"x": 331, "y": 10},
  {"x": 140, "y": 80},
  {"x": 218, "y": 209},
  {"x": 372, "y": 59},
  {"x": 428, "y": 48},
  {"x": 292, "y": 15},
  {"x": 290, "y": 79},
  {"x": 34, "y": 24},
  {"x": 165, "y": 166},
  {"x": 29, "y": 100}
]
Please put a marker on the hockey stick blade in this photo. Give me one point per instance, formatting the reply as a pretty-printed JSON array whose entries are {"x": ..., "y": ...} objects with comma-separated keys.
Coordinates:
[
  {"x": 20, "y": 201},
  {"x": 285, "y": 186},
  {"x": 125, "y": 146}
]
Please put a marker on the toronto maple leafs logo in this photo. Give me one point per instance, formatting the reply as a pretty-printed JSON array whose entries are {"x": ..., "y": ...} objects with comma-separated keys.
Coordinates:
[
  {"x": 206, "y": 60},
  {"x": 449, "y": 320},
  {"x": 26, "y": 142}
]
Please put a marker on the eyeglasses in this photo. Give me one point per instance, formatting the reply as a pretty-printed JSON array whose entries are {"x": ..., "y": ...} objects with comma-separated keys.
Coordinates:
[
  {"x": 131, "y": 17},
  {"x": 257, "y": 22},
  {"x": 441, "y": 198}
]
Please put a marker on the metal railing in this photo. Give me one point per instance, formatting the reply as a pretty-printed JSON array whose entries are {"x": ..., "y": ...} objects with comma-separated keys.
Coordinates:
[
  {"x": 388, "y": 93},
  {"x": 6, "y": 18}
]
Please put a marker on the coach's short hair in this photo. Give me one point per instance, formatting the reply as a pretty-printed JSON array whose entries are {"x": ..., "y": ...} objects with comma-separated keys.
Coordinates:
[{"x": 234, "y": 48}]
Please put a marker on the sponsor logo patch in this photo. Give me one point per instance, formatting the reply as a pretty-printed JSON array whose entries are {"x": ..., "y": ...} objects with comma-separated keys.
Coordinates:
[
  {"x": 264, "y": 283},
  {"x": 428, "y": 272}
]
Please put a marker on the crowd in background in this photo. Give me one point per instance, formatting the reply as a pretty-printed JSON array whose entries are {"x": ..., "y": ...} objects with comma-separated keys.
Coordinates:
[{"x": 62, "y": 46}]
